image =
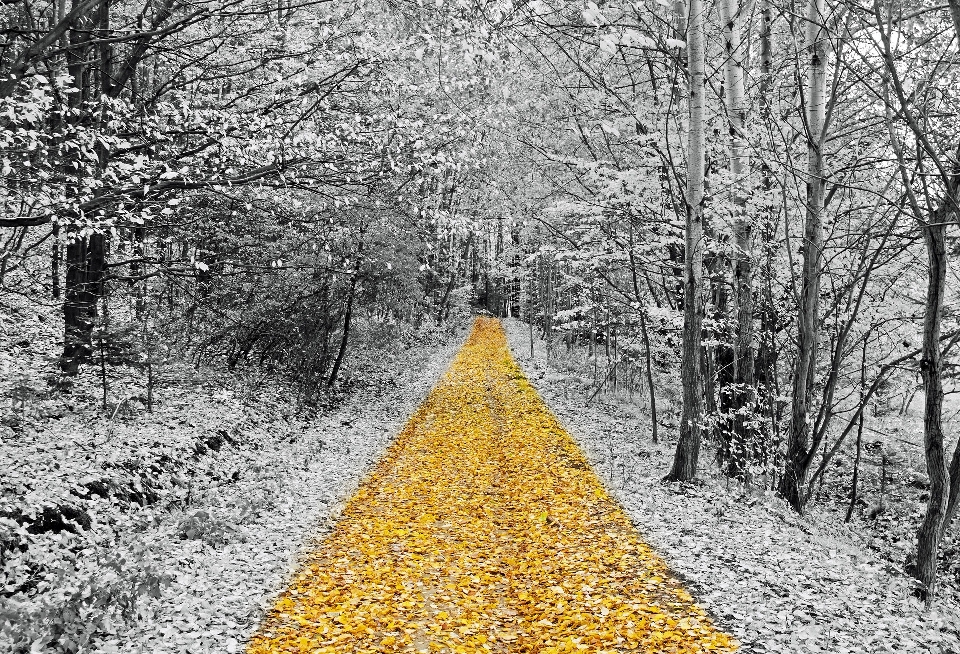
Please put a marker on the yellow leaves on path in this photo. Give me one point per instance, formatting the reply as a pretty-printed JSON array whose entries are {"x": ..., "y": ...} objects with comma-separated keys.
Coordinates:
[{"x": 483, "y": 529}]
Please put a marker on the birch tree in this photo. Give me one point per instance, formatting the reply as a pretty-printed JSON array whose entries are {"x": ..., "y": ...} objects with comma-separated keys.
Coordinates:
[
  {"x": 691, "y": 372},
  {"x": 743, "y": 352}
]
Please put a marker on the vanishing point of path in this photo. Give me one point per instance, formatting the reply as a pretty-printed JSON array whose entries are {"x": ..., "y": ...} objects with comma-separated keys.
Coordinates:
[{"x": 484, "y": 529}]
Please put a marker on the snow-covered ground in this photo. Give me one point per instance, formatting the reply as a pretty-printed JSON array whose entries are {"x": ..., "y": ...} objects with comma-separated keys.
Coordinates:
[{"x": 778, "y": 581}]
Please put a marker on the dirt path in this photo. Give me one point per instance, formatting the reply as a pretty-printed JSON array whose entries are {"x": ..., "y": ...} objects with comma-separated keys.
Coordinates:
[{"x": 484, "y": 529}]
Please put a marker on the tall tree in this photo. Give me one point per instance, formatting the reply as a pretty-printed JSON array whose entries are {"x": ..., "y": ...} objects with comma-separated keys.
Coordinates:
[
  {"x": 691, "y": 373},
  {"x": 742, "y": 391},
  {"x": 800, "y": 450},
  {"x": 934, "y": 213}
]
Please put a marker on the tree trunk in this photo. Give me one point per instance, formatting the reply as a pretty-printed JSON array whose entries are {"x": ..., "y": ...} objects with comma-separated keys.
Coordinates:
[
  {"x": 55, "y": 254},
  {"x": 742, "y": 393},
  {"x": 691, "y": 372},
  {"x": 933, "y": 226},
  {"x": 83, "y": 287},
  {"x": 85, "y": 257},
  {"x": 347, "y": 316},
  {"x": 645, "y": 335},
  {"x": 955, "y": 15},
  {"x": 954, "y": 498},
  {"x": 855, "y": 482},
  {"x": 649, "y": 373},
  {"x": 766, "y": 358},
  {"x": 799, "y": 450},
  {"x": 928, "y": 536}
]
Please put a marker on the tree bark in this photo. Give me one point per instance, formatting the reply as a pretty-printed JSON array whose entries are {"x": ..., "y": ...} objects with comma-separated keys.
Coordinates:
[
  {"x": 855, "y": 481},
  {"x": 955, "y": 15},
  {"x": 928, "y": 536},
  {"x": 86, "y": 254},
  {"x": 954, "y": 498},
  {"x": 741, "y": 394},
  {"x": 86, "y": 266},
  {"x": 799, "y": 450},
  {"x": 691, "y": 373}
]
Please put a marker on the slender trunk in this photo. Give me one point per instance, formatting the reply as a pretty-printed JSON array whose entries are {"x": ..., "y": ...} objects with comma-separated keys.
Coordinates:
[
  {"x": 799, "y": 451},
  {"x": 55, "y": 254},
  {"x": 855, "y": 483},
  {"x": 883, "y": 483},
  {"x": 856, "y": 461},
  {"x": 954, "y": 497},
  {"x": 442, "y": 310},
  {"x": 466, "y": 258},
  {"x": 548, "y": 303},
  {"x": 85, "y": 259},
  {"x": 691, "y": 373},
  {"x": 928, "y": 536},
  {"x": 103, "y": 371},
  {"x": 649, "y": 370},
  {"x": 55, "y": 263},
  {"x": 645, "y": 335},
  {"x": 530, "y": 311},
  {"x": 766, "y": 358},
  {"x": 347, "y": 316},
  {"x": 150, "y": 384},
  {"x": 955, "y": 15},
  {"x": 742, "y": 393}
]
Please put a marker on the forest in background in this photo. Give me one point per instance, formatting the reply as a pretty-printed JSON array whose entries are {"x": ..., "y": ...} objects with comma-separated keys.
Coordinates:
[{"x": 741, "y": 213}]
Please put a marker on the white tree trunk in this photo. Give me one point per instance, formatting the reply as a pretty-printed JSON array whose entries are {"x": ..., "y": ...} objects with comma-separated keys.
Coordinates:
[
  {"x": 688, "y": 447},
  {"x": 743, "y": 352}
]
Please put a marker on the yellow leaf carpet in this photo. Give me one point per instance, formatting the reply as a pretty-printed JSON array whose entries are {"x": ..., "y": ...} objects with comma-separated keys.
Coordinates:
[{"x": 484, "y": 529}]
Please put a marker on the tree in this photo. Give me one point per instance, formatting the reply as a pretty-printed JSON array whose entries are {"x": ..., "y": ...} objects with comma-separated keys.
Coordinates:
[
  {"x": 742, "y": 388},
  {"x": 800, "y": 451},
  {"x": 153, "y": 105},
  {"x": 934, "y": 211},
  {"x": 688, "y": 447}
]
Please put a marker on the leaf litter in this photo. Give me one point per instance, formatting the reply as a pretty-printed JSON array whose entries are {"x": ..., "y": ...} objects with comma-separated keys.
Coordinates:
[
  {"x": 190, "y": 518},
  {"x": 484, "y": 528}
]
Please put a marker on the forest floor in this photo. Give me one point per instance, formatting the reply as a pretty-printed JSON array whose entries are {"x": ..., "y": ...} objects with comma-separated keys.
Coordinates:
[
  {"x": 777, "y": 581},
  {"x": 174, "y": 531},
  {"x": 171, "y": 532}
]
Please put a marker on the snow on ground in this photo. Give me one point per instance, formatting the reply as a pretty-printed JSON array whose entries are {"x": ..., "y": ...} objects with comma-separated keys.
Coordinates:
[
  {"x": 777, "y": 581},
  {"x": 221, "y": 589}
]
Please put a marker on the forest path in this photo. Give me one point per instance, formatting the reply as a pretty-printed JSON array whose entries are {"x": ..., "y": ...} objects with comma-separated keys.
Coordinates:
[{"x": 484, "y": 529}]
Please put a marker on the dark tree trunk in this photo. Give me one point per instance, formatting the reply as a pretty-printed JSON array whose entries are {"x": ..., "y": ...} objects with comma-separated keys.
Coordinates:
[
  {"x": 55, "y": 263},
  {"x": 954, "y": 499},
  {"x": 347, "y": 317},
  {"x": 85, "y": 255},
  {"x": 765, "y": 359},
  {"x": 649, "y": 373},
  {"x": 930, "y": 532},
  {"x": 86, "y": 265}
]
